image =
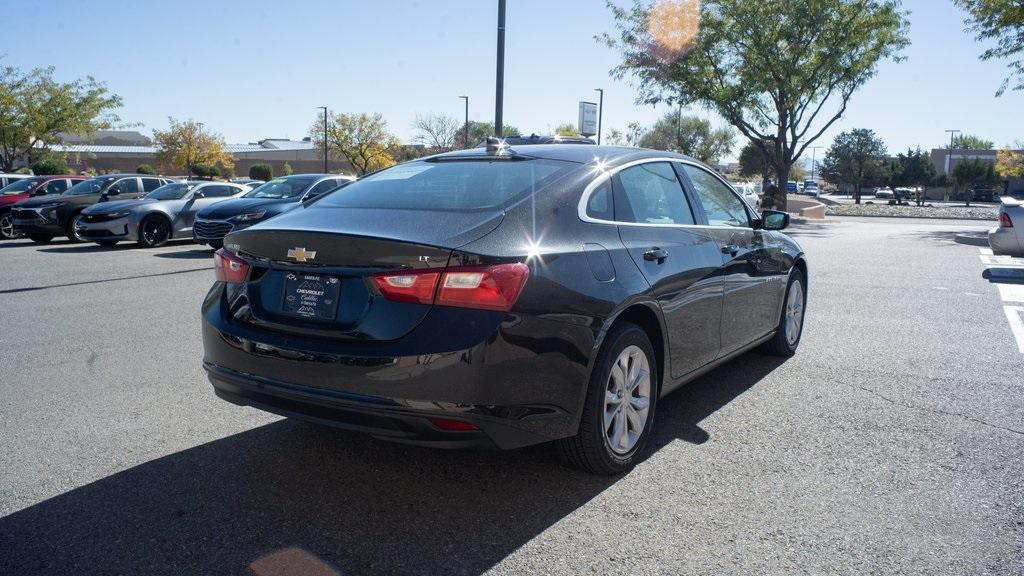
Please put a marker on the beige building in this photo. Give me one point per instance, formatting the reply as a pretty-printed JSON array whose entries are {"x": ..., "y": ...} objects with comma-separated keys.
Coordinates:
[{"x": 124, "y": 150}]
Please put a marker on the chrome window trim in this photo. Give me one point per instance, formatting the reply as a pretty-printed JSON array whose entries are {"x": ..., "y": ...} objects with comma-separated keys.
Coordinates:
[{"x": 581, "y": 208}]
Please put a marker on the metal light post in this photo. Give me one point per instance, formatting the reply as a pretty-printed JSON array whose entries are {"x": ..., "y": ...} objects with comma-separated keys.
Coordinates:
[
  {"x": 600, "y": 111},
  {"x": 949, "y": 155},
  {"x": 500, "y": 81},
  {"x": 814, "y": 155},
  {"x": 324, "y": 108},
  {"x": 465, "y": 127}
]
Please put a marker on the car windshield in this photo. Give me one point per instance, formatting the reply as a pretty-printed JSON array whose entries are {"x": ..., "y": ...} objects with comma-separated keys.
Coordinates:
[
  {"x": 90, "y": 186},
  {"x": 281, "y": 188},
  {"x": 175, "y": 191},
  {"x": 449, "y": 185},
  {"x": 20, "y": 186}
]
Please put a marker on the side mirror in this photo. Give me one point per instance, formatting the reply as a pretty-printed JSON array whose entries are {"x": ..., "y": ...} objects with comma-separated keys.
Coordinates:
[
  {"x": 198, "y": 195},
  {"x": 113, "y": 191},
  {"x": 41, "y": 191},
  {"x": 774, "y": 220}
]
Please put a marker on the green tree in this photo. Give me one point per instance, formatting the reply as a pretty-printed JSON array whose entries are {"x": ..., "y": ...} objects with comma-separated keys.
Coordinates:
[
  {"x": 689, "y": 135},
  {"x": 144, "y": 169},
  {"x": 974, "y": 172},
  {"x": 1003, "y": 22},
  {"x": 203, "y": 170},
  {"x": 185, "y": 145},
  {"x": 971, "y": 142},
  {"x": 287, "y": 169},
  {"x": 631, "y": 137},
  {"x": 854, "y": 158},
  {"x": 50, "y": 166},
  {"x": 914, "y": 170},
  {"x": 263, "y": 172},
  {"x": 753, "y": 163},
  {"x": 566, "y": 129},
  {"x": 363, "y": 139},
  {"x": 479, "y": 131},
  {"x": 34, "y": 108},
  {"x": 780, "y": 72}
]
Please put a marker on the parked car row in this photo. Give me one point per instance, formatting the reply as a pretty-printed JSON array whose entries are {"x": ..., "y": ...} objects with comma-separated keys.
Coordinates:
[{"x": 149, "y": 210}]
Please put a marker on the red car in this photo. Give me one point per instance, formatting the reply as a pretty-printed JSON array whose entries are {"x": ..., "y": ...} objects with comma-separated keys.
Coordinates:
[{"x": 27, "y": 188}]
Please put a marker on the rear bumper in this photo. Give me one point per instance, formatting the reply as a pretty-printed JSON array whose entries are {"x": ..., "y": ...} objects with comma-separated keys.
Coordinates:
[
  {"x": 518, "y": 383},
  {"x": 1004, "y": 242}
]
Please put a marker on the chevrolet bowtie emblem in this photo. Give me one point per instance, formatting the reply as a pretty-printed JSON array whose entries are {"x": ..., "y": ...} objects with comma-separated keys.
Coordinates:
[{"x": 301, "y": 254}]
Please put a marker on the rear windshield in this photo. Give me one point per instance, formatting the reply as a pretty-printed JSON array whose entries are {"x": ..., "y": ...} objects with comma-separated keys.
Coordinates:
[
  {"x": 20, "y": 186},
  {"x": 453, "y": 186}
]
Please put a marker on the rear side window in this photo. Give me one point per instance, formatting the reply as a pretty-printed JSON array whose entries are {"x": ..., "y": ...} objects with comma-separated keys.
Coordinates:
[
  {"x": 721, "y": 206},
  {"x": 150, "y": 184},
  {"x": 451, "y": 185},
  {"x": 651, "y": 194}
]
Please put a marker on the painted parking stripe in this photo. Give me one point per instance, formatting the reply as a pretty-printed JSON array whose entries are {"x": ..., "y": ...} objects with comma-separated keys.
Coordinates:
[
  {"x": 1001, "y": 261},
  {"x": 1013, "y": 316},
  {"x": 986, "y": 251},
  {"x": 1011, "y": 292}
]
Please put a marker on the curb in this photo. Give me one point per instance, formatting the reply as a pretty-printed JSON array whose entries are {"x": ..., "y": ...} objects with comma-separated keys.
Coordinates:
[{"x": 972, "y": 239}]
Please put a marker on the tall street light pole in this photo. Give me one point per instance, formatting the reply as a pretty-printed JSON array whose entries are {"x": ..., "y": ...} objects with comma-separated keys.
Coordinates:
[
  {"x": 465, "y": 126},
  {"x": 600, "y": 111},
  {"x": 500, "y": 82},
  {"x": 814, "y": 155},
  {"x": 324, "y": 108},
  {"x": 949, "y": 155}
]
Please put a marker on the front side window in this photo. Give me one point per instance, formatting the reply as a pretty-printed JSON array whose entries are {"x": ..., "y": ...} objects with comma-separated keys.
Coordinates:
[
  {"x": 218, "y": 191},
  {"x": 57, "y": 186},
  {"x": 450, "y": 185},
  {"x": 721, "y": 206},
  {"x": 128, "y": 186},
  {"x": 651, "y": 194},
  {"x": 599, "y": 205},
  {"x": 323, "y": 187}
]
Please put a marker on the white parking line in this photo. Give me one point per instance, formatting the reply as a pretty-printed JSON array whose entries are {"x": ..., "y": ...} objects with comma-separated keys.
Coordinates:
[
  {"x": 1011, "y": 292},
  {"x": 1013, "y": 316},
  {"x": 986, "y": 251}
]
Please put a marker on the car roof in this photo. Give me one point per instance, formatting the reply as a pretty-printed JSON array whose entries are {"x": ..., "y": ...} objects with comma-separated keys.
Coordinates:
[{"x": 580, "y": 153}]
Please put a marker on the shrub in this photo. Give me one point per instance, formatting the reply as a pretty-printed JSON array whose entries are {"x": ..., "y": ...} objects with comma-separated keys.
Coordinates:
[
  {"x": 23, "y": 170},
  {"x": 50, "y": 166},
  {"x": 204, "y": 170},
  {"x": 261, "y": 172},
  {"x": 225, "y": 172},
  {"x": 287, "y": 169},
  {"x": 145, "y": 169}
]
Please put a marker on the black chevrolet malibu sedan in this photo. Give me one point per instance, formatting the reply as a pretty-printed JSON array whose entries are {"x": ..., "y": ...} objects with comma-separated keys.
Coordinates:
[{"x": 503, "y": 296}]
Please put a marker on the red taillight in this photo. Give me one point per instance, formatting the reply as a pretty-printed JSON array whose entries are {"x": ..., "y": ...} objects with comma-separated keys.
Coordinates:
[
  {"x": 229, "y": 268},
  {"x": 416, "y": 287},
  {"x": 484, "y": 287},
  {"x": 450, "y": 425},
  {"x": 1004, "y": 220}
]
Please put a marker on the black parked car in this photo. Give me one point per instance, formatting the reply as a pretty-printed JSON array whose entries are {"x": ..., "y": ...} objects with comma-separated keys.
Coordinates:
[
  {"x": 44, "y": 217},
  {"x": 265, "y": 201},
  {"x": 503, "y": 298}
]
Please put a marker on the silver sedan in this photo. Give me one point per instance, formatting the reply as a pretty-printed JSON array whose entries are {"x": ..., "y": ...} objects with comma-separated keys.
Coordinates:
[
  {"x": 1008, "y": 238},
  {"x": 164, "y": 214}
]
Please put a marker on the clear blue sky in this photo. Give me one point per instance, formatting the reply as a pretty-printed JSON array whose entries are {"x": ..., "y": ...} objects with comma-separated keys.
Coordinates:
[{"x": 259, "y": 69}]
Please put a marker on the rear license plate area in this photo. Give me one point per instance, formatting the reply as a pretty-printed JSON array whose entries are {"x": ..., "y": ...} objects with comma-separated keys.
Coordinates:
[{"x": 311, "y": 296}]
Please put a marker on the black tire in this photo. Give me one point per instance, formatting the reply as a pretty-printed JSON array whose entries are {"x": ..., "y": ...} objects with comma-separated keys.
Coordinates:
[
  {"x": 590, "y": 449},
  {"x": 70, "y": 229},
  {"x": 781, "y": 344},
  {"x": 107, "y": 243},
  {"x": 7, "y": 226},
  {"x": 154, "y": 231},
  {"x": 40, "y": 238}
]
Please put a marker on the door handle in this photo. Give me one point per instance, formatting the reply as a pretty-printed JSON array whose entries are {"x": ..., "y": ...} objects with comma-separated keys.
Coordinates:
[
  {"x": 655, "y": 253},
  {"x": 730, "y": 249}
]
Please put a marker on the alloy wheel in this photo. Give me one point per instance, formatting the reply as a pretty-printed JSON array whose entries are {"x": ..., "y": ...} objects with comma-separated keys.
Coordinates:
[
  {"x": 794, "y": 312},
  {"x": 7, "y": 226},
  {"x": 627, "y": 400},
  {"x": 154, "y": 231}
]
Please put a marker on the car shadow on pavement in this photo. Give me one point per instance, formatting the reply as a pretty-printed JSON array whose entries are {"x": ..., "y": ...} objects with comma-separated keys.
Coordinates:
[
  {"x": 816, "y": 230},
  {"x": 194, "y": 254},
  {"x": 295, "y": 494},
  {"x": 87, "y": 248}
]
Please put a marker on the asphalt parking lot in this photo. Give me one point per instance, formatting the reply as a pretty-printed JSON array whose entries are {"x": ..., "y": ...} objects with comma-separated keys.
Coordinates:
[{"x": 890, "y": 444}]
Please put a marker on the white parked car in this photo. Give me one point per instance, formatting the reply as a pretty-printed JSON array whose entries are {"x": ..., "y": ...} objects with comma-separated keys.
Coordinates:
[
  {"x": 749, "y": 192},
  {"x": 1008, "y": 238}
]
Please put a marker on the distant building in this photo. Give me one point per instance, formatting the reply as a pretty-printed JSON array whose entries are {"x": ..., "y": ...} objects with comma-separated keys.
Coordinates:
[
  {"x": 116, "y": 150},
  {"x": 945, "y": 160}
]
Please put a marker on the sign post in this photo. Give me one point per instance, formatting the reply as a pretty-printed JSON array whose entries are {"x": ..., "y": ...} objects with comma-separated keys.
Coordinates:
[{"x": 588, "y": 119}]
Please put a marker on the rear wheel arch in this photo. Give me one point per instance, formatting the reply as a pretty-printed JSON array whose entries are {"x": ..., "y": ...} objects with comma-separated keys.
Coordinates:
[{"x": 644, "y": 316}]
